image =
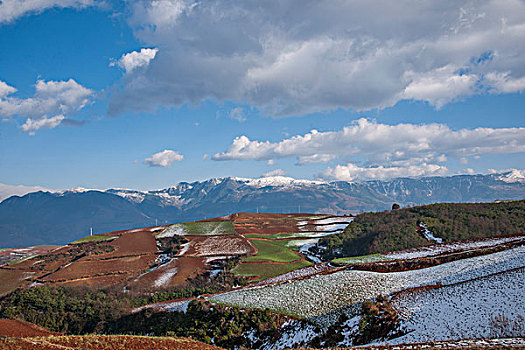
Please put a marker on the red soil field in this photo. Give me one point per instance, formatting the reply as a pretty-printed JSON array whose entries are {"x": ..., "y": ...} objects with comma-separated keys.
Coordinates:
[
  {"x": 17, "y": 328},
  {"x": 132, "y": 243},
  {"x": 89, "y": 268},
  {"x": 103, "y": 342},
  {"x": 180, "y": 269}
]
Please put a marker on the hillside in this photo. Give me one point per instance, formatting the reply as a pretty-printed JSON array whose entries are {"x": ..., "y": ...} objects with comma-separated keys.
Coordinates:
[
  {"x": 412, "y": 227},
  {"x": 248, "y": 281},
  {"x": 61, "y": 217}
]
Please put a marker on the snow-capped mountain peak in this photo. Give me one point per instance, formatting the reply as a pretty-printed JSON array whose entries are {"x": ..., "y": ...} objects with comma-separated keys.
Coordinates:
[{"x": 513, "y": 176}]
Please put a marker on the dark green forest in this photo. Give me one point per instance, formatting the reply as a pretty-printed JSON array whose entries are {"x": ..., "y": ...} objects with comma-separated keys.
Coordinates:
[{"x": 397, "y": 229}]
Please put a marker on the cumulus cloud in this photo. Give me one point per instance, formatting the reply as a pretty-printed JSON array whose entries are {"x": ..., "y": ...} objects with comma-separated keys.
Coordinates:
[
  {"x": 10, "y": 10},
  {"x": 397, "y": 144},
  {"x": 136, "y": 59},
  {"x": 32, "y": 125},
  {"x": 276, "y": 172},
  {"x": 164, "y": 159},
  {"x": 307, "y": 56},
  {"x": 47, "y": 107},
  {"x": 352, "y": 172}
]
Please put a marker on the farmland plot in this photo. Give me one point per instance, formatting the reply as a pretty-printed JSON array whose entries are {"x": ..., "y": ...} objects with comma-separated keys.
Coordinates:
[
  {"x": 493, "y": 306},
  {"x": 206, "y": 228},
  {"x": 323, "y": 294}
]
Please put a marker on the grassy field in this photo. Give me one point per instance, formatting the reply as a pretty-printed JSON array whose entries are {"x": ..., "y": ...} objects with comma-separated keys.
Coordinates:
[
  {"x": 267, "y": 270},
  {"x": 272, "y": 251},
  {"x": 207, "y": 228},
  {"x": 95, "y": 238}
]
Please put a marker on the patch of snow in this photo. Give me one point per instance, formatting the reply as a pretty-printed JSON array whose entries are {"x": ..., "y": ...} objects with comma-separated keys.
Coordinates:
[
  {"x": 184, "y": 248},
  {"x": 165, "y": 277},
  {"x": 451, "y": 247},
  {"x": 429, "y": 236},
  {"x": 322, "y": 294},
  {"x": 465, "y": 310},
  {"x": 513, "y": 176},
  {"x": 277, "y": 181},
  {"x": 173, "y": 230}
]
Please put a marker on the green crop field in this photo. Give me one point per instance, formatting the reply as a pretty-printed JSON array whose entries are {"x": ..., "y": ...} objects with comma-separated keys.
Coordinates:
[
  {"x": 272, "y": 251},
  {"x": 267, "y": 270}
]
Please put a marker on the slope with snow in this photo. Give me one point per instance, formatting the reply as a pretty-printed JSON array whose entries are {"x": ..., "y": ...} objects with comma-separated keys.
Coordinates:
[{"x": 465, "y": 310}]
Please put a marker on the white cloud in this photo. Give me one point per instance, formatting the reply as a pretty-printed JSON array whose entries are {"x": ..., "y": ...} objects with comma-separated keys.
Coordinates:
[
  {"x": 47, "y": 108},
  {"x": 7, "y": 191},
  {"x": 504, "y": 83},
  {"x": 237, "y": 114},
  {"x": 136, "y": 59},
  {"x": 276, "y": 172},
  {"x": 270, "y": 162},
  {"x": 352, "y": 172},
  {"x": 205, "y": 156},
  {"x": 440, "y": 86},
  {"x": 10, "y": 10},
  {"x": 315, "y": 158},
  {"x": 164, "y": 159},
  {"x": 50, "y": 98},
  {"x": 32, "y": 125},
  {"x": 309, "y": 56},
  {"x": 395, "y": 144}
]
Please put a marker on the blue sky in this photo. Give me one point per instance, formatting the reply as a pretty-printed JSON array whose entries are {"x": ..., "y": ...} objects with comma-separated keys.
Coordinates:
[{"x": 145, "y": 94}]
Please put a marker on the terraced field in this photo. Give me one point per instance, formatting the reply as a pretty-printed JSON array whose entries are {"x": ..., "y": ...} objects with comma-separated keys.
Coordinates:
[
  {"x": 327, "y": 293},
  {"x": 103, "y": 342}
]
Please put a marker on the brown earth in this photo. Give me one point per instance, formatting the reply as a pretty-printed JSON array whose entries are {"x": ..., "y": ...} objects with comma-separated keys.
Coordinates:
[
  {"x": 183, "y": 267},
  {"x": 17, "y": 328},
  {"x": 103, "y": 342},
  {"x": 89, "y": 268},
  {"x": 132, "y": 243}
]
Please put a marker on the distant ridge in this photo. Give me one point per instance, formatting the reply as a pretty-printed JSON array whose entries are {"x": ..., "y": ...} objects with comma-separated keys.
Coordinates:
[{"x": 64, "y": 216}]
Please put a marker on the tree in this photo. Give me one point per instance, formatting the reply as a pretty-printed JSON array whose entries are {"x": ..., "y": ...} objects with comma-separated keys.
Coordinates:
[{"x": 395, "y": 206}]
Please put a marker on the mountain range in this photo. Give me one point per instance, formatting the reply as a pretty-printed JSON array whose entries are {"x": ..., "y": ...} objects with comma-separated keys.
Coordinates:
[{"x": 64, "y": 216}]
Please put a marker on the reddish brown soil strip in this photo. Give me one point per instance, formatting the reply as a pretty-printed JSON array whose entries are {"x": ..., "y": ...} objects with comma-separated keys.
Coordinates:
[
  {"x": 172, "y": 274},
  {"x": 82, "y": 269},
  {"x": 17, "y": 328},
  {"x": 95, "y": 282},
  {"x": 103, "y": 342},
  {"x": 132, "y": 243}
]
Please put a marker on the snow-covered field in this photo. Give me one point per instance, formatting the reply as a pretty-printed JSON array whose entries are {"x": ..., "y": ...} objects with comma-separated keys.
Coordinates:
[
  {"x": 323, "y": 294},
  {"x": 465, "y": 310},
  {"x": 329, "y": 224},
  {"x": 437, "y": 249}
]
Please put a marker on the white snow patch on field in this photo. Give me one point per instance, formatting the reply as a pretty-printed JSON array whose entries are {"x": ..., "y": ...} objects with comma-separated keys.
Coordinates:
[
  {"x": 165, "y": 277},
  {"x": 173, "y": 230},
  {"x": 184, "y": 248},
  {"x": 322, "y": 294},
  {"x": 464, "y": 310},
  {"x": 172, "y": 306},
  {"x": 437, "y": 249}
]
